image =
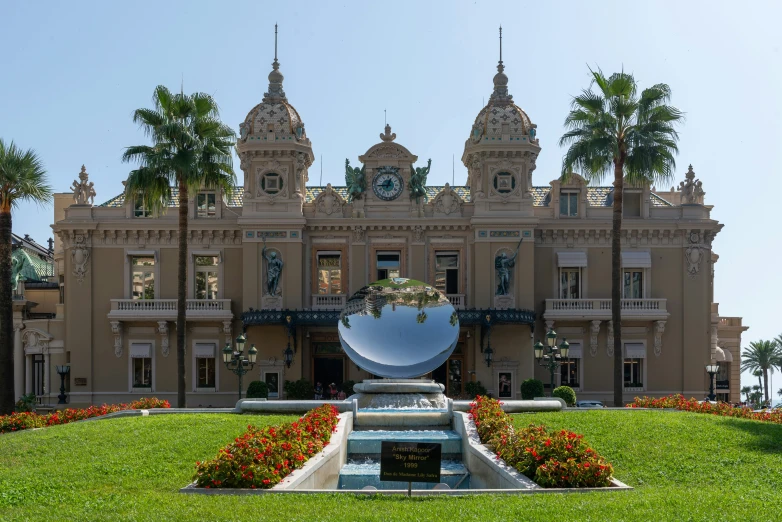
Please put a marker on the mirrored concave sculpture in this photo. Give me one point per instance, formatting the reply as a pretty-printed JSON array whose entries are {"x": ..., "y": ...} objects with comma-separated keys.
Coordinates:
[{"x": 398, "y": 328}]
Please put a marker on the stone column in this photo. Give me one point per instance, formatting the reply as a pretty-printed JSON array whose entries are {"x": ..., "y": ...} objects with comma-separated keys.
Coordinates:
[
  {"x": 28, "y": 372},
  {"x": 18, "y": 361}
]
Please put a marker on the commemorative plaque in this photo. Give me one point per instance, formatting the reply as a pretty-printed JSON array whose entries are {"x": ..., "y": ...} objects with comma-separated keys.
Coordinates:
[{"x": 410, "y": 461}]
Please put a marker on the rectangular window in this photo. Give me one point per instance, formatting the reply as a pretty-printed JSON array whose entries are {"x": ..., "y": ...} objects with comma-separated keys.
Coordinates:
[
  {"x": 387, "y": 265},
  {"x": 568, "y": 204},
  {"x": 206, "y": 205},
  {"x": 206, "y": 372},
  {"x": 568, "y": 373},
  {"x": 329, "y": 272},
  {"x": 206, "y": 277},
  {"x": 272, "y": 380},
  {"x": 569, "y": 283},
  {"x": 446, "y": 272},
  {"x": 142, "y": 372},
  {"x": 631, "y": 204},
  {"x": 143, "y": 277},
  {"x": 139, "y": 209},
  {"x": 633, "y": 287},
  {"x": 633, "y": 373}
]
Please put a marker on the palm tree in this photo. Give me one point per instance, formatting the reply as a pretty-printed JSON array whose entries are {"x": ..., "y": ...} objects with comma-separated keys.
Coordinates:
[
  {"x": 22, "y": 178},
  {"x": 615, "y": 130},
  {"x": 760, "y": 358},
  {"x": 191, "y": 148},
  {"x": 746, "y": 391}
]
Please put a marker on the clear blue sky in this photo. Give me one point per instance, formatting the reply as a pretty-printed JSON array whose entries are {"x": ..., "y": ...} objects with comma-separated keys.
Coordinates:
[{"x": 73, "y": 72}]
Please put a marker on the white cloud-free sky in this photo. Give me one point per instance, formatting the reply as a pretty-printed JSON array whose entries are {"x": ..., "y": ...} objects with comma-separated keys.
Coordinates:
[{"x": 73, "y": 72}]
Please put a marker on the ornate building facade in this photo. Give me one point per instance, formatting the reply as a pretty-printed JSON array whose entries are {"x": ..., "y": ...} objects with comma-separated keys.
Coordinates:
[{"x": 278, "y": 258}]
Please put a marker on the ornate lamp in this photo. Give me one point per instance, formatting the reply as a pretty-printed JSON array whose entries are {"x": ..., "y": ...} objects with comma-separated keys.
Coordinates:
[
  {"x": 551, "y": 356},
  {"x": 237, "y": 362},
  {"x": 288, "y": 355},
  {"x": 712, "y": 369},
  {"x": 63, "y": 371},
  {"x": 488, "y": 355}
]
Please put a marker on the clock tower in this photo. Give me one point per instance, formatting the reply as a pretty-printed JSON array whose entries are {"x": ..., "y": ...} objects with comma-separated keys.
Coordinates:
[{"x": 388, "y": 169}]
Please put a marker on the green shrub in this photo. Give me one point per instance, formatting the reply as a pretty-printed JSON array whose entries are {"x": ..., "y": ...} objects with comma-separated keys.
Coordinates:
[
  {"x": 531, "y": 388},
  {"x": 347, "y": 387},
  {"x": 473, "y": 389},
  {"x": 565, "y": 393},
  {"x": 257, "y": 390},
  {"x": 299, "y": 390},
  {"x": 26, "y": 403}
]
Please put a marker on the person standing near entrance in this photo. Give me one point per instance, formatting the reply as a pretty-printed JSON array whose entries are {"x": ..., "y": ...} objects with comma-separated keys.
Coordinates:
[
  {"x": 333, "y": 391},
  {"x": 318, "y": 391}
]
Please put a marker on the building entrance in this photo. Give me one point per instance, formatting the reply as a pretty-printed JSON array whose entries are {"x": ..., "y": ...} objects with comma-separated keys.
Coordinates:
[
  {"x": 451, "y": 373},
  {"x": 328, "y": 365}
]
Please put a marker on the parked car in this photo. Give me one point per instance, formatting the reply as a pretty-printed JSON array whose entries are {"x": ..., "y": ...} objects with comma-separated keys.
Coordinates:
[{"x": 589, "y": 404}]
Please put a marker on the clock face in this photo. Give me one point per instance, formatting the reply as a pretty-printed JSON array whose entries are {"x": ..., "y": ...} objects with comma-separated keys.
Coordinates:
[{"x": 387, "y": 183}]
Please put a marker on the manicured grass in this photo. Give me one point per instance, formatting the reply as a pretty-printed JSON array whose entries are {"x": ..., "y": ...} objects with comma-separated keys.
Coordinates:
[{"x": 684, "y": 467}]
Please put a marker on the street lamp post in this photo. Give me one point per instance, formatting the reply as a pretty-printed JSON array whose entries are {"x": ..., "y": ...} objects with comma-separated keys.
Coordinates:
[
  {"x": 236, "y": 360},
  {"x": 63, "y": 371},
  {"x": 550, "y": 355},
  {"x": 712, "y": 370}
]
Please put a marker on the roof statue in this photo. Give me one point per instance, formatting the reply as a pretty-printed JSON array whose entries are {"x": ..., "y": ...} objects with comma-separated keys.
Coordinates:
[
  {"x": 355, "y": 179},
  {"x": 418, "y": 181},
  {"x": 83, "y": 190},
  {"x": 691, "y": 188}
]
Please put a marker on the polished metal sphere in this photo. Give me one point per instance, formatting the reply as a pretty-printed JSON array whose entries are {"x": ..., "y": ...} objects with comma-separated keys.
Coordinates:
[{"x": 398, "y": 328}]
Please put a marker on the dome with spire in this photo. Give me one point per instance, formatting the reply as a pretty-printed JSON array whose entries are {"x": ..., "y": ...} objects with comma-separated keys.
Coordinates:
[
  {"x": 501, "y": 118},
  {"x": 274, "y": 119}
]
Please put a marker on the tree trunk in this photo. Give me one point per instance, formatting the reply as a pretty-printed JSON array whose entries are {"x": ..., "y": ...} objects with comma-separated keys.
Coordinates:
[
  {"x": 7, "y": 398},
  {"x": 765, "y": 385},
  {"x": 616, "y": 282},
  {"x": 181, "y": 302}
]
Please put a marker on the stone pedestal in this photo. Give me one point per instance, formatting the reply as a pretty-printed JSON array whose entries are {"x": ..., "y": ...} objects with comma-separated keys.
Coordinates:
[
  {"x": 269, "y": 302},
  {"x": 400, "y": 394}
]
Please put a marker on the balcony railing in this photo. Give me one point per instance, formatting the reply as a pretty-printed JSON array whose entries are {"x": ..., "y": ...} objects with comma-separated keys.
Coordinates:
[
  {"x": 159, "y": 309},
  {"x": 457, "y": 300},
  {"x": 328, "y": 301},
  {"x": 601, "y": 308}
]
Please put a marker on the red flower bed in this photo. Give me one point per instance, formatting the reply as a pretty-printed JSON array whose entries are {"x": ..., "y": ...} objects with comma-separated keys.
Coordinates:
[
  {"x": 27, "y": 420},
  {"x": 553, "y": 459},
  {"x": 723, "y": 409},
  {"x": 262, "y": 457}
]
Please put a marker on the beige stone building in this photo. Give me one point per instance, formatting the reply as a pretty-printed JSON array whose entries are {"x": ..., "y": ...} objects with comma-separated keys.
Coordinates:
[{"x": 513, "y": 258}]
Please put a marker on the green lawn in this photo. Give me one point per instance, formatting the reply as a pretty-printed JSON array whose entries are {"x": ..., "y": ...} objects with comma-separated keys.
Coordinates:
[{"x": 684, "y": 467}]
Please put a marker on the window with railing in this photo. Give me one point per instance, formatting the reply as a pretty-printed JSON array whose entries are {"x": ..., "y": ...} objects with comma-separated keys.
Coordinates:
[
  {"x": 142, "y": 277},
  {"x": 570, "y": 283},
  {"x": 206, "y": 205},
  {"x": 329, "y": 266},
  {"x": 446, "y": 272},
  {"x": 206, "y": 277}
]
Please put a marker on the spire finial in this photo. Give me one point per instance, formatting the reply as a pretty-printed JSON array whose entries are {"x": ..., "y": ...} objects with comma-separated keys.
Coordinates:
[
  {"x": 500, "y": 67},
  {"x": 275, "y": 77}
]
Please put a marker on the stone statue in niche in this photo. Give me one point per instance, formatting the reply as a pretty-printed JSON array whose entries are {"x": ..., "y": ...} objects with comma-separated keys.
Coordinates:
[
  {"x": 503, "y": 265},
  {"x": 273, "y": 270}
]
